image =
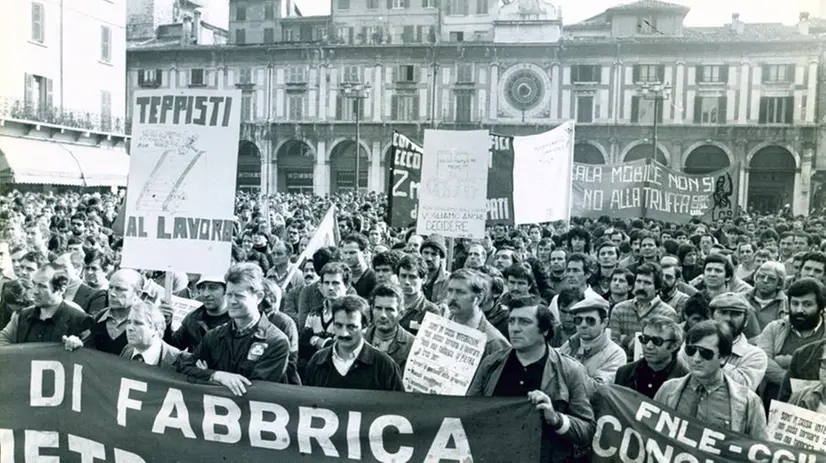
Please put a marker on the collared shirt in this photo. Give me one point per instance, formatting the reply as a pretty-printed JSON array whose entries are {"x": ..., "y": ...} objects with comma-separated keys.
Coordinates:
[
  {"x": 647, "y": 381},
  {"x": 714, "y": 402},
  {"x": 152, "y": 355},
  {"x": 747, "y": 363},
  {"x": 42, "y": 329},
  {"x": 343, "y": 364},
  {"x": 517, "y": 379},
  {"x": 240, "y": 332},
  {"x": 114, "y": 327}
]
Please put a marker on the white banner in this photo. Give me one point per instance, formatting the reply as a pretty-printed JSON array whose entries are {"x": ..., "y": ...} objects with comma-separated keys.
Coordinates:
[
  {"x": 180, "y": 200},
  {"x": 444, "y": 357},
  {"x": 542, "y": 168},
  {"x": 792, "y": 425},
  {"x": 454, "y": 184}
]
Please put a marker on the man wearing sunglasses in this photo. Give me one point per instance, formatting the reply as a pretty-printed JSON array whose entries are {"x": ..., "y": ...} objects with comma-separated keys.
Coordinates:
[
  {"x": 707, "y": 393},
  {"x": 747, "y": 363},
  {"x": 661, "y": 338},
  {"x": 591, "y": 345}
]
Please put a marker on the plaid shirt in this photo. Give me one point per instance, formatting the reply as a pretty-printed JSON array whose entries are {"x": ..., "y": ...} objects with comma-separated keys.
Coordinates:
[{"x": 627, "y": 319}]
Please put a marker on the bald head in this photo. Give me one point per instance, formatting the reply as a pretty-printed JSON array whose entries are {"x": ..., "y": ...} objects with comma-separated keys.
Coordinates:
[{"x": 125, "y": 288}]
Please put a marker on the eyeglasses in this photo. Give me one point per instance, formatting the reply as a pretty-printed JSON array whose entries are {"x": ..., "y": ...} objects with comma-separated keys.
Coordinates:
[
  {"x": 658, "y": 341},
  {"x": 591, "y": 321},
  {"x": 706, "y": 354}
]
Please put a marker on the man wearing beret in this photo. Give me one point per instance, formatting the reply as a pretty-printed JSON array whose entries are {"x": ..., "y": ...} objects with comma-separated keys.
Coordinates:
[{"x": 747, "y": 363}]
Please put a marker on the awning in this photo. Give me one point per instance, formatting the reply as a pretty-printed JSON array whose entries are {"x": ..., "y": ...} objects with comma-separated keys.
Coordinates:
[{"x": 26, "y": 160}]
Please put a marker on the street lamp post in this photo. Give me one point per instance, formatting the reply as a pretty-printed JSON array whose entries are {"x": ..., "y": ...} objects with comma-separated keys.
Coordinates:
[
  {"x": 357, "y": 92},
  {"x": 655, "y": 92}
]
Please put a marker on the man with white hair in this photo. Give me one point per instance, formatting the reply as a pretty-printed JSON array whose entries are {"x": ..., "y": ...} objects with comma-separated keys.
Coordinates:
[
  {"x": 89, "y": 299},
  {"x": 144, "y": 332},
  {"x": 109, "y": 330},
  {"x": 768, "y": 298}
]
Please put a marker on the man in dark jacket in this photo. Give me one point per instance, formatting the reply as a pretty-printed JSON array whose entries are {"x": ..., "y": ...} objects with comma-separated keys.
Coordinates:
[
  {"x": 552, "y": 381},
  {"x": 87, "y": 298},
  {"x": 250, "y": 347},
  {"x": 384, "y": 333},
  {"x": 351, "y": 363},
  {"x": 52, "y": 318},
  {"x": 661, "y": 339},
  {"x": 210, "y": 292},
  {"x": 411, "y": 271},
  {"x": 803, "y": 368}
]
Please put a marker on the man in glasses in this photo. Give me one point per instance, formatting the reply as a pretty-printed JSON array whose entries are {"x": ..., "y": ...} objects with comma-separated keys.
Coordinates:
[
  {"x": 661, "y": 338},
  {"x": 591, "y": 345},
  {"x": 709, "y": 395},
  {"x": 527, "y": 369},
  {"x": 747, "y": 363}
]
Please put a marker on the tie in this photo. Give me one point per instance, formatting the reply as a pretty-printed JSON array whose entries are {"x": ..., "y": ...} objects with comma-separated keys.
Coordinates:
[
  {"x": 694, "y": 404},
  {"x": 138, "y": 358}
]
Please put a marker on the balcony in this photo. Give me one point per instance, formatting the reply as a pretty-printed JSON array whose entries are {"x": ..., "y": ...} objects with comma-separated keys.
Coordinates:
[{"x": 81, "y": 120}]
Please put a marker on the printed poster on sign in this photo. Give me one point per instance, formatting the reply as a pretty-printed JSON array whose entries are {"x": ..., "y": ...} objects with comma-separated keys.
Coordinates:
[
  {"x": 444, "y": 357},
  {"x": 542, "y": 166},
  {"x": 180, "y": 199},
  {"x": 792, "y": 425},
  {"x": 454, "y": 186}
]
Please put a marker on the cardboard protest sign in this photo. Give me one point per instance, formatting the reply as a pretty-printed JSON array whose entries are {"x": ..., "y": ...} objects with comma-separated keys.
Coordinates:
[
  {"x": 453, "y": 192},
  {"x": 181, "y": 307},
  {"x": 91, "y": 406},
  {"x": 632, "y": 427},
  {"x": 792, "y": 425},
  {"x": 646, "y": 188},
  {"x": 444, "y": 357},
  {"x": 180, "y": 200},
  {"x": 543, "y": 167}
]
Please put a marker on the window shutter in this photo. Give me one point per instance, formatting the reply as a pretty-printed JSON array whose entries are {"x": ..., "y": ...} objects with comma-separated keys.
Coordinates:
[
  {"x": 419, "y": 33},
  {"x": 389, "y": 4},
  {"x": 394, "y": 108},
  {"x": 364, "y": 38},
  {"x": 49, "y": 94},
  {"x": 636, "y": 73},
  {"x": 159, "y": 77},
  {"x": 405, "y": 3},
  {"x": 722, "y": 110},
  {"x": 448, "y": 7},
  {"x": 698, "y": 109},
  {"x": 764, "y": 110},
  {"x": 339, "y": 104},
  {"x": 28, "y": 99},
  {"x": 661, "y": 73},
  {"x": 416, "y": 108},
  {"x": 424, "y": 4},
  {"x": 635, "y": 108},
  {"x": 597, "y": 73},
  {"x": 790, "y": 73},
  {"x": 724, "y": 73},
  {"x": 395, "y": 74},
  {"x": 788, "y": 110},
  {"x": 352, "y": 33},
  {"x": 765, "y": 74}
]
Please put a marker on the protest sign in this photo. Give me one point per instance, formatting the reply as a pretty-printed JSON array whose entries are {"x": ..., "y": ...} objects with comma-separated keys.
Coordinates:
[
  {"x": 87, "y": 405},
  {"x": 404, "y": 186},
  {"x": 453, "y": 192},
  {"x": 325, "y": 235},
  {"x": 405, "y": 175},
  {"x": 444, "y": 357},
  {"x": 543, "y": 167},
  {"x": 181, "y": 307},
  {"x": 646, "y": 188},
  {"x": 180, "y": 200},
  {"x": 792, "y": 425},
  {"x": 632, "y": 427}
]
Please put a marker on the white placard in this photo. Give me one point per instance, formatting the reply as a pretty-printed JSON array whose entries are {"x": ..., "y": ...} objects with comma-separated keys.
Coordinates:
[
  {"x": 444, "y": 357},
  {"x": 798, "y": 384},
  {"x": 792, "y": 425},
  {"x": 542, "y": 175},
  {"x": 454, "y": 185},
  {"x": 180, "y": 200},
  {"x": 181, "y": 307}
]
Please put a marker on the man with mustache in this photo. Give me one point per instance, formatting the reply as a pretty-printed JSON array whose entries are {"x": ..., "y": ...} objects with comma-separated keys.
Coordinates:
[
  {"x": 210, "y": 292},
  {"x": 628, "y": 317},
  {"x": 350, "y": 362},
  {"x": 466, "y": 291},
  {"x": 746, "y": 364},
  {"x": 661, "y": 338},
  {"x": 802, "y": 326}
]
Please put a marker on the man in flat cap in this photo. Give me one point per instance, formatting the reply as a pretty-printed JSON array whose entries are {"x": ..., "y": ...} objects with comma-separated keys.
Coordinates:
[
  {"x": 747, "y": 363},
  {"x": 591, "y": 345}
]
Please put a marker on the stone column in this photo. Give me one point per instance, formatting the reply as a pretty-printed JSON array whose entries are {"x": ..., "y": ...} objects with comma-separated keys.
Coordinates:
[
  {"x": 321, "y": 170},
  {"x": 375, "y": 183},
  {"x": 802, "y": 181}
]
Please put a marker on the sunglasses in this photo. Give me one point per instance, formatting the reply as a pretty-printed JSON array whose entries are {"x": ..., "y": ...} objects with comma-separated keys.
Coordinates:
[
  {"x": 658, "y": 341},
  {"x": 706, "y": 354},
  {"x": 591, "y": 321}
]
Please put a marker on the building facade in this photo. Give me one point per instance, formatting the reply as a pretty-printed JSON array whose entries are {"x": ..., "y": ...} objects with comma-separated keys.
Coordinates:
[
  {"x": 738, "y": 95},
  {"x": 63, "y": 92}
]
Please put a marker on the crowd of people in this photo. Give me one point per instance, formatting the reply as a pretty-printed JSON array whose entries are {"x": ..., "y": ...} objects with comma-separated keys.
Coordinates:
[{"x": 713, "y": 319}]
